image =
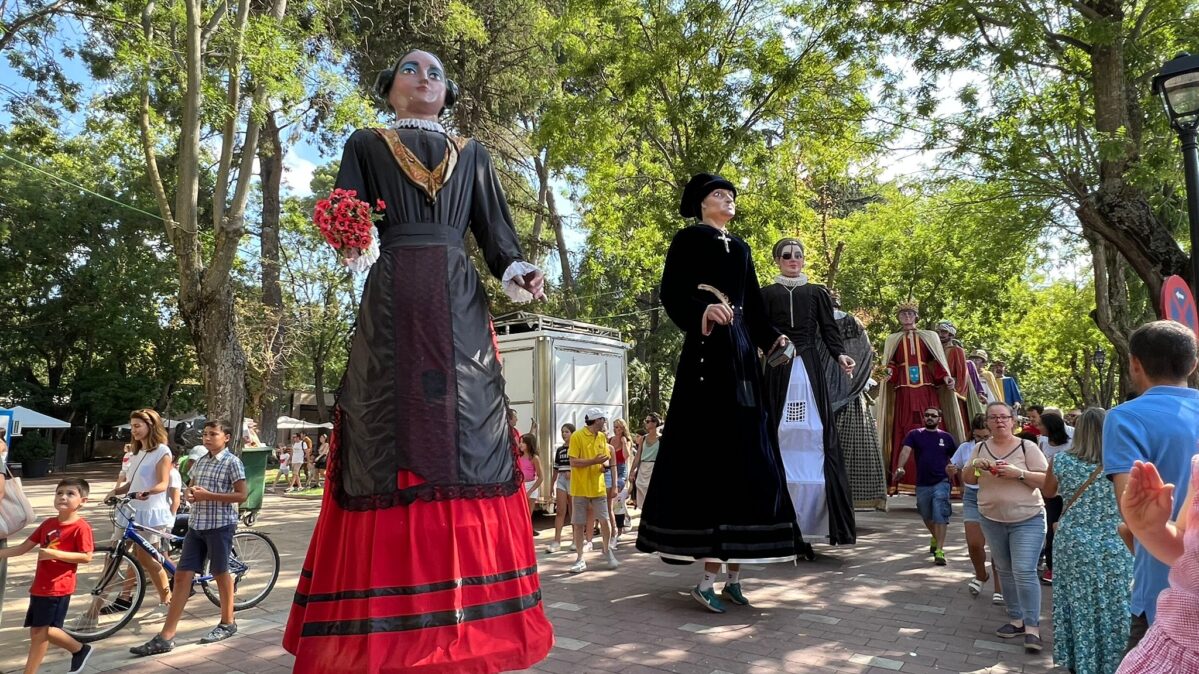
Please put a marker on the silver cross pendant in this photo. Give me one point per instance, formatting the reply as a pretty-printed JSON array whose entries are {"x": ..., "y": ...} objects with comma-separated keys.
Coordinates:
[{"x": 725, "y": 238}]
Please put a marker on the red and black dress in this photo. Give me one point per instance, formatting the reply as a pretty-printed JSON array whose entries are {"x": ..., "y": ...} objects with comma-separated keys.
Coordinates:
[{"x": 422, "y": 559}]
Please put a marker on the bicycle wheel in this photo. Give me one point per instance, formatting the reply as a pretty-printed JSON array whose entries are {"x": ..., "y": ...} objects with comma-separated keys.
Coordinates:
[
  {"x": 107, "y": 596},
  {"x": 254, "y": 565}
]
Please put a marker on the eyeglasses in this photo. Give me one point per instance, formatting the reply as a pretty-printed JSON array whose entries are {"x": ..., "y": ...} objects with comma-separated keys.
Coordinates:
[
  {"x": 789, "y": 256},
  {"x": 999, "y": 417},
  {"x": 932, "y": 416}
]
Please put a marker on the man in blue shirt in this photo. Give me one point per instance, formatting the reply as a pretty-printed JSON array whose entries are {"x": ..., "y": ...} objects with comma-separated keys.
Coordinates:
[
  {"x": 1160, "y": 426},
  {"x": 934, "y": 447}
]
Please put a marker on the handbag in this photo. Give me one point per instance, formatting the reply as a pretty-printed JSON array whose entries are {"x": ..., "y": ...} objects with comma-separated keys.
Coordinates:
[
  {"x": 16, "y": 512},
  {"x": 1094, "y": 474}
]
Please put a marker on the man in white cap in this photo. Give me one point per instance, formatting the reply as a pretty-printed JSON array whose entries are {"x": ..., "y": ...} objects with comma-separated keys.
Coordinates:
[{"x": 588, "y": 452}]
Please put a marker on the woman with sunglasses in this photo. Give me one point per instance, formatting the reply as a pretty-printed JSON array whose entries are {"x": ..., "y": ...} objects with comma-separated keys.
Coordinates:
[
  {"x": 1010, "y": 472},
  {"x": 801, "y": 408},
  {"x": 647, "y": 454}
]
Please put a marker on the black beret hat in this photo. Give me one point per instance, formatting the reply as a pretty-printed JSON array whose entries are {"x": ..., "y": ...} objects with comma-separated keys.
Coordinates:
[{"x": 700, "y": 186}]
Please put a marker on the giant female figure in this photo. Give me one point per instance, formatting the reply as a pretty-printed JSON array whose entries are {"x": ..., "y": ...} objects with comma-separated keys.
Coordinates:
[{"x": 422, "y": 558}]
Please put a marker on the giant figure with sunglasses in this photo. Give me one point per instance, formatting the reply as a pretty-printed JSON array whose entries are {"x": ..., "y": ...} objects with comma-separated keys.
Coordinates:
[
  {"x": 800, "y": 405},
  {"x": 422, "y": 559}
]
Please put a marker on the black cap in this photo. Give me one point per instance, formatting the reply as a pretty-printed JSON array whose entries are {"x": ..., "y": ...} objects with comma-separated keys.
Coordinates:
[{"x": 700, "y": 186}]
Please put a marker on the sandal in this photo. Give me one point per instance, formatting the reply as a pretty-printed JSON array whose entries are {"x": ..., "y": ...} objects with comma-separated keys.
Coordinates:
[
  {"x": 155, "y": 646},
  {"x": 976, "y": 586}
]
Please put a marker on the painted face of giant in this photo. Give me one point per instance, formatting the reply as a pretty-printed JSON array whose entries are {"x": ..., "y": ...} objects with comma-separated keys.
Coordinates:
[
  {"x": 790, "y": 261},
  {"x": 719, "y": 206},
  {"x": 945, "y": 335},
  {"x": 907, "y": 320},
  {"x": 419, "y": 86}
]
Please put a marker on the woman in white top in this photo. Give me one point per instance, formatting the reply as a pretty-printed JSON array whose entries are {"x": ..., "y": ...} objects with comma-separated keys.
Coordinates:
[
  {"x": 298, "y": 459},
  {"x": 149, "y": 476}
]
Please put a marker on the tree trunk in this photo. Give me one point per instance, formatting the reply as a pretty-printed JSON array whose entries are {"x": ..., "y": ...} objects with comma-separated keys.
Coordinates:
[
  {"x": 270, "y": 162},
  {"x": 568, "y": 280},
  {"x": 318, "y": 385},
  {"x": 212, "y": 322}
]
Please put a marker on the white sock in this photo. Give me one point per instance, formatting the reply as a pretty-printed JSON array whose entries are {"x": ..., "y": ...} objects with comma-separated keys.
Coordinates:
[
  {"x": 708, "y": 581},
  {"x": 733, "y": 577}
]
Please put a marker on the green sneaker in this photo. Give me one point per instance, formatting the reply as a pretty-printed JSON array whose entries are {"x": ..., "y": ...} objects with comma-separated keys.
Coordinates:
[
  {"x": 732, "y": 592},
  {"x": 939, "y": 557},
  {"x": 708, "y": 599},
  {"x": 932, "y": 545}
]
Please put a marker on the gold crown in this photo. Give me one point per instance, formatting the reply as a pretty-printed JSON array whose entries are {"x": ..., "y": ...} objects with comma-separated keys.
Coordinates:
[{"x": 910, "y": 305}]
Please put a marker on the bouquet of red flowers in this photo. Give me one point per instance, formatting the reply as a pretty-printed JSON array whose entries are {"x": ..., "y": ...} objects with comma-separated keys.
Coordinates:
[{"x": 347, "y": 221}]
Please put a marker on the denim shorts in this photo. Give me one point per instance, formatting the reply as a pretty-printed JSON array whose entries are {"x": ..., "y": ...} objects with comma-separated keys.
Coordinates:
[
  {"x": 47, "y": 611},
  {"x": 213, "y": 544},
  {"x": 933, "y": 502},
  {"x": 970, "y": 505}
]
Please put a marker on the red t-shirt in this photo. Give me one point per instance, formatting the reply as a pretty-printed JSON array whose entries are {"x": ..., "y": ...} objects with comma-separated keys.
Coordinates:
[{"x": 55, "y": 578}]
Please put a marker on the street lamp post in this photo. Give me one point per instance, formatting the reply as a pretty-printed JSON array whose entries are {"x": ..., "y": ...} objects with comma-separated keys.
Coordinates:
[{"x": 1178, "y": 86}]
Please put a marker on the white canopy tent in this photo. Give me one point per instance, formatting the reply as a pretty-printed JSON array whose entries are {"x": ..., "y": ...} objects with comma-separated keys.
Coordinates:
[
  {"x": 28, "y": 418},
  {"x": 285, "y": 423}
]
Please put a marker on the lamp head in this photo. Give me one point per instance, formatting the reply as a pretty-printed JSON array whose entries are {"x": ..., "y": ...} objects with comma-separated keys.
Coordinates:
[{"x": 1177, "y": 83}]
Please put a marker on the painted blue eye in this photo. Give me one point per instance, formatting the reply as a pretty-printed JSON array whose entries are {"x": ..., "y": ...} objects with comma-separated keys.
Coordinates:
[
  {"x": 408, "y": 68},
  {"x": 435, "y": 74}
]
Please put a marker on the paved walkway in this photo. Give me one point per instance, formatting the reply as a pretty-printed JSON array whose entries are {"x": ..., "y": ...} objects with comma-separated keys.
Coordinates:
[{"x": 878, "y": 607}]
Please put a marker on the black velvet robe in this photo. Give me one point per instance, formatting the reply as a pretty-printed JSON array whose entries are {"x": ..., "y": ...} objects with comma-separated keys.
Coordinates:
[
  {"x": 805, "y": 314},
  {"x": 718, "y": 489},
  {"x": 423, "y": 390}
]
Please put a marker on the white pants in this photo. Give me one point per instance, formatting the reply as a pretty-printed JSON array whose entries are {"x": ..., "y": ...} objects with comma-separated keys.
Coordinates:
[{"x": 801, "y": 440}]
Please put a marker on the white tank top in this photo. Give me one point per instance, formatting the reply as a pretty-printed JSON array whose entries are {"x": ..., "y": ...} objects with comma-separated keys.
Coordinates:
[{"x": 155, "y": 511}]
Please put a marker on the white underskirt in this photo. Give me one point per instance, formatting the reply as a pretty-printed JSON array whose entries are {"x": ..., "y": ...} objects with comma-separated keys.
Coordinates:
[{"x": 801, "y": 440}]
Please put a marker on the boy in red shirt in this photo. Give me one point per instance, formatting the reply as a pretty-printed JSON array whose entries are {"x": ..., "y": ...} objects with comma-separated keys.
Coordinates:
[{"x": 63, "y": 542}]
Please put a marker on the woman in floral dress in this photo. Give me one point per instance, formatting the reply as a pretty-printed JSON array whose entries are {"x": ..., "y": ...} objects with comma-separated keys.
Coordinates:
[{"x": 1092, "y": 569}]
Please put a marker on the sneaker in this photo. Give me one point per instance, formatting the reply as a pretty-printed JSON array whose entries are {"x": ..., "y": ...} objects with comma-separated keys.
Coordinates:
[
  {"x": 579, "y": 566},
  {"x": 157, "y": 615},
  {"x": 997, "y": 599},
  {"x": 939, "y": 557},
  {"x": 154, "y": 646},
  {"x": 932, "y": 545},
  {"x": 613, "y": 563},
  {"x": 1047, "y": 578},
  {"x": 121, "y": 605},
  {"x": 732, "y": 592},
  {"x": 587, "y": 546},
  {"x": 707, "y": 598},
  {"x": 1009, "y": 630},
  {"x": 79, "y": 660},
  {"x": 219, "y": 633},
  {"x": 551, "y": 548}
]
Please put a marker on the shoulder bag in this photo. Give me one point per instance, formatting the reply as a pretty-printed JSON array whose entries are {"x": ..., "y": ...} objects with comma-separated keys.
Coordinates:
[
  {"x": 1091, "y": 478},
  {"x": 16, "y": 512}
]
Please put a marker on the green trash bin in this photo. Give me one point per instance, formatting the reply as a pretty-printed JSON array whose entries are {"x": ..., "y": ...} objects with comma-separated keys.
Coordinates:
[{"x": 254, "y": 459}]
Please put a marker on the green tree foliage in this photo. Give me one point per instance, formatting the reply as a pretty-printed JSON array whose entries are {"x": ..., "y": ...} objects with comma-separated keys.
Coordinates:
[{"x": 90, "y": 329}]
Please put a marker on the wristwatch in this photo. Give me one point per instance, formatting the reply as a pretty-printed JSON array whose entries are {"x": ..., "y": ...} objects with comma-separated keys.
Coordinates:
[{"x": 1021, "y": 478}]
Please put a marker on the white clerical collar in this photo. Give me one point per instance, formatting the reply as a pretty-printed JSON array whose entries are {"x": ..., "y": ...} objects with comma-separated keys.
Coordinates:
[
  {"x": 792, "y": 281},
  {"x": 417, "y": 123}
]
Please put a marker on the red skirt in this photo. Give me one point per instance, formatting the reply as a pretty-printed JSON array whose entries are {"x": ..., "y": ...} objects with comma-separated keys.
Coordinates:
[
  {"x": 436, "y": 586},
  {"x": 910, "y": 403}
]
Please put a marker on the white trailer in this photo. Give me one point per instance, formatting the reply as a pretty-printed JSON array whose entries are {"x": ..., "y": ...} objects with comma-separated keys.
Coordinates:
[{"x": 554, "y": 369}]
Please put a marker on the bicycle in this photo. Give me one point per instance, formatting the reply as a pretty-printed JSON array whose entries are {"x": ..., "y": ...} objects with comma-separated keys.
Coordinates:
[{"x": 96, "y": 611}]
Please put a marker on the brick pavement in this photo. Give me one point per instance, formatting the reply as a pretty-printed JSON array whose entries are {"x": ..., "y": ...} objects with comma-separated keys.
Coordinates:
[{"x": 880, "y": 606}]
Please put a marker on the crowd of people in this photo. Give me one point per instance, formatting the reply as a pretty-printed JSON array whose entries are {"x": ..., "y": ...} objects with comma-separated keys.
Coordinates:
[
  {"x": 155, "y": 489},
  {"x": 302, "y": 464}
]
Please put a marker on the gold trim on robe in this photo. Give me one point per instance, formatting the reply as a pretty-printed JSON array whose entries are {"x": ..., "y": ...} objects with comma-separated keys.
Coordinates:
[{"x": 428, "y": 181}]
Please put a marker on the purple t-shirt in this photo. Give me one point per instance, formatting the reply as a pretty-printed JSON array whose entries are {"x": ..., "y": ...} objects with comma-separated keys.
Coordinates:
[{"x": 933, "y": 450}]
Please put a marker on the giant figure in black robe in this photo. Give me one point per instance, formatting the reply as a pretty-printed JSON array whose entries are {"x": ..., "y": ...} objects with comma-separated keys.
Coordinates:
[
  {"x": 804, "y": 312},
  {"x": 717, "y": 492},
  {"x": 422, "y": 559}
]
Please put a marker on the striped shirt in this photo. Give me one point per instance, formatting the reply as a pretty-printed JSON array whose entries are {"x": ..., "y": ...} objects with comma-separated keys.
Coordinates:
[{"x": 218, "y": 475}]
